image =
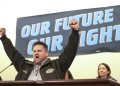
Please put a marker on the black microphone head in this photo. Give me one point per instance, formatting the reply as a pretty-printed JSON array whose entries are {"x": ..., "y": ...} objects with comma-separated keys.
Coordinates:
[{"x": 11, "y": 64}]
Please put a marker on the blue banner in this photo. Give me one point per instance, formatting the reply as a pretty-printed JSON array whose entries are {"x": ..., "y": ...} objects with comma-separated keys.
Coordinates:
[{"x": 99, "y": 31}]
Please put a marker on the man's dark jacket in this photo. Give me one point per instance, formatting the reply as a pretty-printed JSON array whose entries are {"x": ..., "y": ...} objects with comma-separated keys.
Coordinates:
[{"x": 58, "y": 66}]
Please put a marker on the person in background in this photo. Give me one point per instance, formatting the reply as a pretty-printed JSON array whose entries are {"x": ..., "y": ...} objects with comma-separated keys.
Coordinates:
[
  {"x": 104, "y": 72},
  {"x": 68, "y": 75}
]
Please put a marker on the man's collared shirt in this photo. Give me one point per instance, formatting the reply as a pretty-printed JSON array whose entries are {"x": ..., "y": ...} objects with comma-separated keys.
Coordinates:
[{"x": 35, "y": 73}]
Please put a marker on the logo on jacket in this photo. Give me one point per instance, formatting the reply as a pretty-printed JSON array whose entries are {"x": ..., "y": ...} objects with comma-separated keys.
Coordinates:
[
  {"x": 24, "y": 71},
  {"x": 50, "y": 70}
]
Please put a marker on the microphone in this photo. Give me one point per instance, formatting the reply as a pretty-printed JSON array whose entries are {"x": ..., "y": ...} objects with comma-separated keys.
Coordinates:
[
  {"x": 6, "y": 67},
  {"x": 3, "y": 70}
]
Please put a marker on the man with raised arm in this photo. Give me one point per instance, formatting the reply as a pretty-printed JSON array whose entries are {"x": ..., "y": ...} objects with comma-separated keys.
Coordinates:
[{"x": 42, "y": 68}]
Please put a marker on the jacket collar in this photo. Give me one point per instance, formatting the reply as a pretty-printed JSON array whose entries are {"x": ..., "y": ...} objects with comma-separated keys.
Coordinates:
[{"x": 46, "y": 62}]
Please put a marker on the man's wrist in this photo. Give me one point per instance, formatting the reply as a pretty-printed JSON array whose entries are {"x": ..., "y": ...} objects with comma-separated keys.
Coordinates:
[{"x": 76, "y": 29}]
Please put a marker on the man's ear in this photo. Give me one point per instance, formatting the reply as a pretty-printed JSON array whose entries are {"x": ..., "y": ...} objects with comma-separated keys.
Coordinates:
[{"x": 47, "y": 53}]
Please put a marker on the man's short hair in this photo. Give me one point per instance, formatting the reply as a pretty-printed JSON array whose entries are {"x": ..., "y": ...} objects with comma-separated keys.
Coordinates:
[{"x": 41, "y": 43}]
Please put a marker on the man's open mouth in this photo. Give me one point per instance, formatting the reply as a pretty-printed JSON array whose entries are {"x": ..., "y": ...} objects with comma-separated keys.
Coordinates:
[{"x": 37, "y": 57}]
